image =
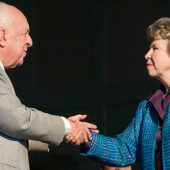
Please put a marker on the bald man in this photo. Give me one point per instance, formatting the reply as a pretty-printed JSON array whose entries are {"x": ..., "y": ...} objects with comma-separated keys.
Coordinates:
[{"x": 19, "y": 123}]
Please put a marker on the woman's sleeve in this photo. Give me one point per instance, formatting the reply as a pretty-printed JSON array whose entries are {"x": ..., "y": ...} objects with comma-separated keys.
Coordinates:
[{"x": 118, "y": 151}]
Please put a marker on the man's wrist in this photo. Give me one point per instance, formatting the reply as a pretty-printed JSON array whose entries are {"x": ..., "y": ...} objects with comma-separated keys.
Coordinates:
[{"x": 67, "y": 125}]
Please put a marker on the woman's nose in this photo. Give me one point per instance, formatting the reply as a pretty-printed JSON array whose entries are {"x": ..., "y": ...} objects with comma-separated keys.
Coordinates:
[{"x": 148, "y": 54}]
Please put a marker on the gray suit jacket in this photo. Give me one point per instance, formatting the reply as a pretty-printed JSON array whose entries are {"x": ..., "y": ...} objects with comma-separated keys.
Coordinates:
[{"x": 19, "y": 123}]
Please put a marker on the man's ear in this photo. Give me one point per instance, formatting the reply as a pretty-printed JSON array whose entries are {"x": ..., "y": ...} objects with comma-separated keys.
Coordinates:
[{"x": 2, "y": 37}]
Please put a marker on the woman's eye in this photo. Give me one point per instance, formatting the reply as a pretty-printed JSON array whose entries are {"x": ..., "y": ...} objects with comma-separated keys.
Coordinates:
[{"x": 155, "y": 48}]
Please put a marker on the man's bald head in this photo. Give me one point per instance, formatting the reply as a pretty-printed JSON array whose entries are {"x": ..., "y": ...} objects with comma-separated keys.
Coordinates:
[
  {"x": 5, "y": 16},
  {"x": 14, "y": 36},
  {"x": 8, "y": 15}
]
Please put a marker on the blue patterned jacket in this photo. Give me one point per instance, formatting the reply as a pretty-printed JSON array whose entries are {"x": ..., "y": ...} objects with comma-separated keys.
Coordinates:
[{"x": 136, "y": 143}]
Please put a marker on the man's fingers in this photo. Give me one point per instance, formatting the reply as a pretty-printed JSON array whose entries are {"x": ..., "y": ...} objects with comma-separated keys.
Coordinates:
[
  {"x": 85, "y": 135},
  {"x": 80, "y": 132},
  {"x": 77, "y": 117},
  {"x": 70, "y": 139},
  {"x": 89, "y": 135},
  {"x": 77, "y": 143},
  {"x": 90, "y": 125},
  {"x": 96, "y": 131},
  {"x": 81, "y": 117}
]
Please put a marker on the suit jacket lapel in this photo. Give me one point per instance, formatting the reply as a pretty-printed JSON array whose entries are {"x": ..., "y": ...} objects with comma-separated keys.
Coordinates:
[{"x": 8, "y": 81}]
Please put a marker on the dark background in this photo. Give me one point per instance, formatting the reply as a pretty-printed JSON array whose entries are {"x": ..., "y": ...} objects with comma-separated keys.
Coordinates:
[{"x": 87, "y": 57}]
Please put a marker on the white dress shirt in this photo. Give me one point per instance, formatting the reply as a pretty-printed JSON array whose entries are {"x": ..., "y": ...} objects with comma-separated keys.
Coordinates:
[{"x": 1, "y": 65}]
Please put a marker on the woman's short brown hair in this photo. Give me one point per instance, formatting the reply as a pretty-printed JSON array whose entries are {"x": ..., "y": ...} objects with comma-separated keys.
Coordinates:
[{"x": 159, "y": 29}]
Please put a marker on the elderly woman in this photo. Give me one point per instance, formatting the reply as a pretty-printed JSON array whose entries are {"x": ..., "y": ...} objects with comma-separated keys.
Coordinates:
[{"x": 147, "y": 138}]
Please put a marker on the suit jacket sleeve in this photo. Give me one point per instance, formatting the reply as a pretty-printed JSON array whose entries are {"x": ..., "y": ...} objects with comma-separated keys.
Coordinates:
[
  {"x": 37, "y": 146},
  {"x": 119, "y": 151},
  {"x": 19, "y": 121}
]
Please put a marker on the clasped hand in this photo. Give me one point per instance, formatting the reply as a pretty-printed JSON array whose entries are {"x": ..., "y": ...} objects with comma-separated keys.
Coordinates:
[{"x": 79, "y": 132}]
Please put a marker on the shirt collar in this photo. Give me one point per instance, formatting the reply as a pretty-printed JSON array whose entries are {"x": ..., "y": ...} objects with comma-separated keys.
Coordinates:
[
  {"x": 1, "y": 65},
  {"x": 159, "y": 101},
  {"x": 160, "y": 91}
]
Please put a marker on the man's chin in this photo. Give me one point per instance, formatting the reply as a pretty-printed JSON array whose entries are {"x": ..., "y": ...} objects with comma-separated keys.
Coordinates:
[{"x": 20, "y": 63}]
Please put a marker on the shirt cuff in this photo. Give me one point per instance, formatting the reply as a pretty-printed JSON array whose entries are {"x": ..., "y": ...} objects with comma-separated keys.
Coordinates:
[{"x": 67, "y": 125}]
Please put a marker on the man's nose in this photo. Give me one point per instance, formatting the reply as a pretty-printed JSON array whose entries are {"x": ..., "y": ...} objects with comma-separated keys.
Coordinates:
[{"x": 29, "y": 41}]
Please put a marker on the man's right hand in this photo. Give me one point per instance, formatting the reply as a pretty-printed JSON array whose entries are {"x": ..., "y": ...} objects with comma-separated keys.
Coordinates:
[
  {"x": 78, "y": 134},
  {"x": 81, "y": 117}
]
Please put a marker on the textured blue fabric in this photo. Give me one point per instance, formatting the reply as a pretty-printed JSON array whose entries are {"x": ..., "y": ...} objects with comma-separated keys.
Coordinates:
[{"x": 136, "y": 143}]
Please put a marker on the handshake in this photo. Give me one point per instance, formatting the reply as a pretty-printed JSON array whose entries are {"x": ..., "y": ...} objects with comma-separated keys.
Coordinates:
[{"x": 79, "y": 132}]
